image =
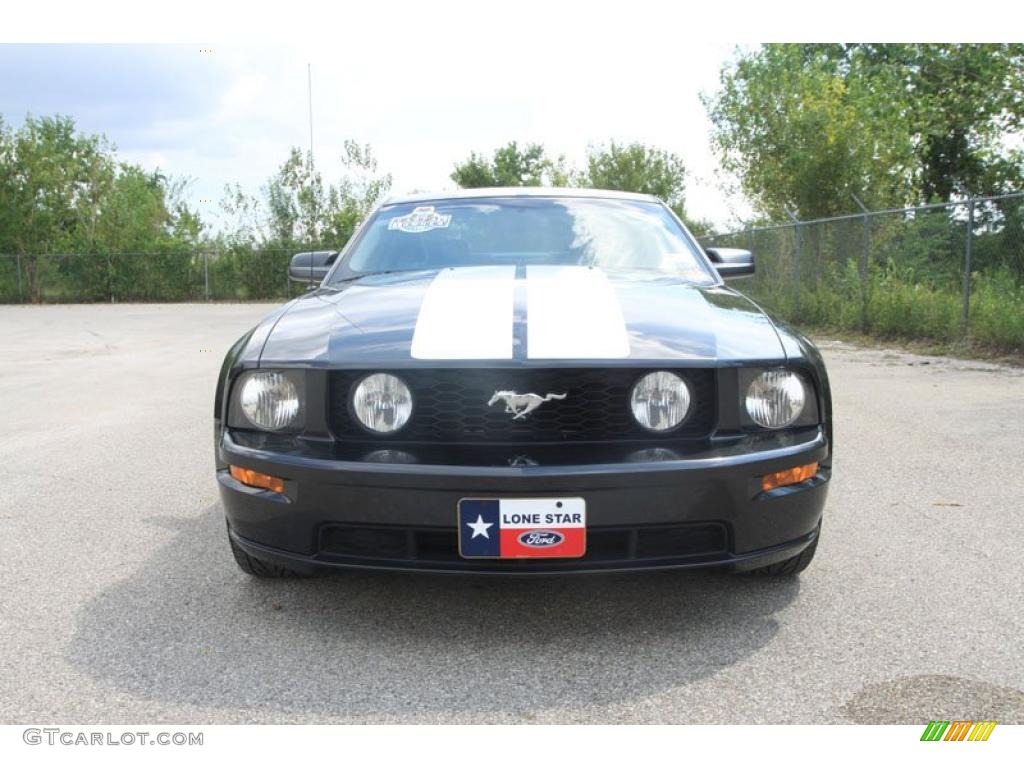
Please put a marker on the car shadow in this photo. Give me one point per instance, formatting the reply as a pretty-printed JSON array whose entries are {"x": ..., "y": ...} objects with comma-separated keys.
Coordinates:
[{"x": 188, "y": 628}]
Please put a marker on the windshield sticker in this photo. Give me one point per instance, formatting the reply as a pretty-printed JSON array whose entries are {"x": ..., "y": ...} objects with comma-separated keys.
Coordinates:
[{"x": 422, "y": 219}]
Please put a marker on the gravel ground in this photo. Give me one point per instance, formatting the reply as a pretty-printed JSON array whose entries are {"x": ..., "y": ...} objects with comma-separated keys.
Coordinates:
[{"x": 121, "y": 603}]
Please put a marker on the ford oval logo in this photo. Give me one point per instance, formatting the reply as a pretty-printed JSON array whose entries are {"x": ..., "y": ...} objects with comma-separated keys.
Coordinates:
[{"x": 541, "y": 539}]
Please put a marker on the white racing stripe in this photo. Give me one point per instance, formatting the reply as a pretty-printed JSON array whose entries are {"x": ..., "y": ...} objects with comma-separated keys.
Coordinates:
[
  {"x": 573, "y": 313},
  {"x": 467, "y": 314}
]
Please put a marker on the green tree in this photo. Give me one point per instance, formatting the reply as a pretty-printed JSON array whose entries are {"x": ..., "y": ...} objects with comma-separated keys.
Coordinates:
[
  {"x": 962, "y": 100},
  {"x": 511, "y": 166},
  {"x": 63, "y": 192},
  {"x": 134, "y": 215},
  {"x": 637, "y": 168},
  {"x": 803, "y": 127},
  {"x": 187, "y": 227},
  {"x": 631, "y": 167},
  {"x": 136, "y": 241},
  {"x": 294, "y": 210},
  {"x": 359, "y": 189},
  {"x": 295, "y": 199},
  {"x": 45, "y": 190}
]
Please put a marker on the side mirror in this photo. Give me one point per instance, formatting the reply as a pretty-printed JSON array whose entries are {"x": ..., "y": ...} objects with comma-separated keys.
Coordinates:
[
  {"x": 311, "y": 266},
  {"x": 731, "y": 262}
]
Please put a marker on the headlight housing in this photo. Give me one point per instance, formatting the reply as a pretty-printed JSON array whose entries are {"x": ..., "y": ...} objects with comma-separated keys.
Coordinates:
[
  {"x": 382, "y": 403},
  {"x": 660, "y": 401},
  {"x": 776, "y": 398},
  {"x": 270, "y": 400}
]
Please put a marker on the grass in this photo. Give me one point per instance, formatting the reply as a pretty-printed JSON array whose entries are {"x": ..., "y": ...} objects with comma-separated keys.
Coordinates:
[{"x": 894, "y": 306}]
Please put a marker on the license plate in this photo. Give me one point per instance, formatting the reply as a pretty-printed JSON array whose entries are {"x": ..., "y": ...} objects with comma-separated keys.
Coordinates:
[{"x": 518, "y": 528}]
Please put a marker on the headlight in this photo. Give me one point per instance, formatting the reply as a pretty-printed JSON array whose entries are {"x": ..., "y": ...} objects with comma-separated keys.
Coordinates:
[
  {"x": 660, "y": 401},
  {"x": 270, "y": 400},
  {"x": 775, "y": 399},
  {"x": 382, "y": 403}
]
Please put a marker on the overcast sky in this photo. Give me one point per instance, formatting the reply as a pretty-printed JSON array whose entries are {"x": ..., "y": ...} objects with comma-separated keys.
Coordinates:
[{"x": 423, "y": 103}]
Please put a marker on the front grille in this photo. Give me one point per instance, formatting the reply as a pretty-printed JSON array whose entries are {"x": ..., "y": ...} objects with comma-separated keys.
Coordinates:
[
  {"x": 450, "y": 406},
  {"x": 439, "y": 547}
]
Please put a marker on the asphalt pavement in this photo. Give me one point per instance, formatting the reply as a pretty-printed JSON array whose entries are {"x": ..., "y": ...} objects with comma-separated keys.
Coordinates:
[{"x": 120, "y": 603}]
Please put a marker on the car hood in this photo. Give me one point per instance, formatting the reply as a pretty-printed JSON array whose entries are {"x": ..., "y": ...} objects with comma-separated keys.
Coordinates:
[{"x": 507, "y": 316}]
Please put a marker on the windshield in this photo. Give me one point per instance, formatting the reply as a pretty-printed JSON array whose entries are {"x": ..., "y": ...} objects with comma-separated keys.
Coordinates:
[{"x": 619, "y": 235}]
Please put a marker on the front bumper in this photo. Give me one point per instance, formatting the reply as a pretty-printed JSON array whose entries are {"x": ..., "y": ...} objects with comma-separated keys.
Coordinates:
[{"x": 661, "y": 510}]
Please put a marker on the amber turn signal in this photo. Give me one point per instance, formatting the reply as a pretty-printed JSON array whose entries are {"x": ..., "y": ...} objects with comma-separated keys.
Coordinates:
[
  {"x": 789, "y": 476},
  {"x": 258, "y": 479}
]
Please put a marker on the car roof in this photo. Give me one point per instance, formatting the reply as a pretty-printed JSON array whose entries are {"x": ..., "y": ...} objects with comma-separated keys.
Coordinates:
[{"x": 469, "y": 194}]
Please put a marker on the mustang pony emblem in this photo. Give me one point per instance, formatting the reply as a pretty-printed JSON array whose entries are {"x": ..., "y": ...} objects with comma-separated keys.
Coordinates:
[{"x": 520, "y": 405}]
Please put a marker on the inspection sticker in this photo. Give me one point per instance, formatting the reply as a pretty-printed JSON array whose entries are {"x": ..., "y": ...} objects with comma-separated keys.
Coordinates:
[{"x": 422, "y": 219}]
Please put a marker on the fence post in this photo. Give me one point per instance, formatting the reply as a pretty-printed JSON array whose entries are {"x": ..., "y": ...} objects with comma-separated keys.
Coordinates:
[
  {"x": 796, "y": 265},
  {"x": 964, "y": 318},
  {"x": 21, "y": 295},
  {"x": 206, "y": 275},
  {"x": 864, "y": 264}
]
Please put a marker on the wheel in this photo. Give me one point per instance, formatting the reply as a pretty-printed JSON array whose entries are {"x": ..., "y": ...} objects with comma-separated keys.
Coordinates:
[
  {"x": 261, "y": 568},
  {"x": 793, "y": 565}
]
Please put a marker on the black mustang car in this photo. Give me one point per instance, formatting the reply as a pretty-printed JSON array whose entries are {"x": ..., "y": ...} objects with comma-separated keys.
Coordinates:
[{"x": 522, "y": 381}]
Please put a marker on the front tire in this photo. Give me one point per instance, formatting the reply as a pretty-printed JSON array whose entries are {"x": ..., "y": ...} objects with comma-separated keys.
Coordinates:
[
  {"x": 793, "y": 565},
  {"x": 261, "y": 568}
]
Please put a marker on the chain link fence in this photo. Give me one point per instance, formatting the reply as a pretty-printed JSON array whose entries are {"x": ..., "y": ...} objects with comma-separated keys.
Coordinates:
[
  {"x": 238, "y": 274},
  {"x": 941, "y": 272}
]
